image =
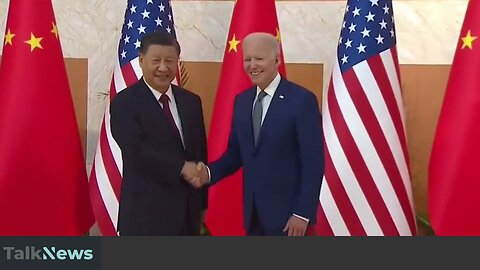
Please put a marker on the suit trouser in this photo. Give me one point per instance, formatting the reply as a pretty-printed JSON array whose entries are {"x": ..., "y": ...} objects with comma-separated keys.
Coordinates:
[
  {"x": 187, "y": 228},
  {"x": 257, "y": 229}
]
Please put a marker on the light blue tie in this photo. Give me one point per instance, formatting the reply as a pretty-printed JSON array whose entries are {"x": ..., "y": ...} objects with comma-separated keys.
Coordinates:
[{"x": 257, "y": 115}]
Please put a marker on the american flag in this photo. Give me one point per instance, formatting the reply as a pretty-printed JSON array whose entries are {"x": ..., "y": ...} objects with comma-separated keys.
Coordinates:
[
  {"x": 141, "y": 16},
  {"x": 366, "y": 187}
]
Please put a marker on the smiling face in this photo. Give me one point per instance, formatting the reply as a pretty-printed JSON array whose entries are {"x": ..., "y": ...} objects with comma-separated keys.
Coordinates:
[
  {"x": 159, "y": 66},
  {"x": 261, "y": 58}
]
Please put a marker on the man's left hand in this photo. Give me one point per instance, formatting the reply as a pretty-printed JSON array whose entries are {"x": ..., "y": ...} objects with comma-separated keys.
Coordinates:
[{"x": 296, "y": 226}]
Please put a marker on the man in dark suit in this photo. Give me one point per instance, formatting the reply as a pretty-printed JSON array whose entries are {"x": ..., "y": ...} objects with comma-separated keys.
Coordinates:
[
  {"x": 160, "y": 130},
  {"x": 276, "y": 135}
]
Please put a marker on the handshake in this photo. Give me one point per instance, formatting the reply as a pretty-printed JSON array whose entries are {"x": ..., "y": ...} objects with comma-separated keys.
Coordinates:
[{"x": 195, "y": 173}]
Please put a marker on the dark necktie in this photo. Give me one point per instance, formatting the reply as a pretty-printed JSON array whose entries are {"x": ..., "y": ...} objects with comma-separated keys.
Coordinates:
[
  {"x": 257, "y": 115},
  {"x": 164, "y": 99}
]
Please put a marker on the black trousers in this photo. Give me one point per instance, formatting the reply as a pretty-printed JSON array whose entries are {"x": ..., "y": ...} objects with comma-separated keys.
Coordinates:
[{"x": 188, "y": 227}]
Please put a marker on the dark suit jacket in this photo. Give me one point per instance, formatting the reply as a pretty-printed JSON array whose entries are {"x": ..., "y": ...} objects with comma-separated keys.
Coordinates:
[
  {"x": 155, "y": 199},
  {"x": 283, "y": 173}
]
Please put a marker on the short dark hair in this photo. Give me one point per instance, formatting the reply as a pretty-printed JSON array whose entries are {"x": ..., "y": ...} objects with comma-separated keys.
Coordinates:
[{"x": 158, "y": 38}]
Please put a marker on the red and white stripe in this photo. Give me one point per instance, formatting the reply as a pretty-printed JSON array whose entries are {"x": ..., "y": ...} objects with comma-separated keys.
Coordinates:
[
  {"x": 106, "y": 175},
  {"x": 366, "y": 189}
]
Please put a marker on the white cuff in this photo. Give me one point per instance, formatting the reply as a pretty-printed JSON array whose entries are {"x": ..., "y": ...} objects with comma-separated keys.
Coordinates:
[
  {"x": 209, "y": 176},
  {"x": 300, "y": 217}
]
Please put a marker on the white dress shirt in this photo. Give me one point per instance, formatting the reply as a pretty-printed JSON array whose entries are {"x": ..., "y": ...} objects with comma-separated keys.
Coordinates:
[
  {"x": 173, "y": 106},
  {"x": 270, "y": 90}
]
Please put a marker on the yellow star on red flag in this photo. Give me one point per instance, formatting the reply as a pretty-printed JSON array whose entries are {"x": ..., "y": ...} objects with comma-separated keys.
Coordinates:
[
  {"x": 9, "y": 37},
  {"x": 278, "y": 37},
  {"x": 468, "y": 40},
  {"x": 34, "y": 42},
  {"x": 54, "y": 30},
  {"x": 233, "y": 44}
]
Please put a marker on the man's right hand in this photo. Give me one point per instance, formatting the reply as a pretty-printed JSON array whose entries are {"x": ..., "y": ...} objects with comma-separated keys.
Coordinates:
[
  {"x": 195, "y": 174},
  {"x": 204, "y": 177}
]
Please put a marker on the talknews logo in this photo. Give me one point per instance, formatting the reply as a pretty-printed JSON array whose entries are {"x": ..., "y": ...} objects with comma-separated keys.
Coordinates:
[{"x": 46, "y": 253}]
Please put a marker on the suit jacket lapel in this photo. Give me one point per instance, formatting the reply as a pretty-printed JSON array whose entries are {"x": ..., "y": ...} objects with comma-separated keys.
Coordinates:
[
  {"x": 182, "y": 109},
  {"x": 251, "y": 98},
  {"x": 150, "y": 102},
  {"x": 275, "y": 105},
  {"x": 153, "y": 108}
]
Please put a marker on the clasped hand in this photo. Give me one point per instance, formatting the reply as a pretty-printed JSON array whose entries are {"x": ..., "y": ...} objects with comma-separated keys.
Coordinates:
[{"x": 195, "y": 173}]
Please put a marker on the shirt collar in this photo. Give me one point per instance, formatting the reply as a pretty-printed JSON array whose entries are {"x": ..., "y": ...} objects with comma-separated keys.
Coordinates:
[
  {"x": 157, "y": 94},
  {"x": 272, "y": 87}
]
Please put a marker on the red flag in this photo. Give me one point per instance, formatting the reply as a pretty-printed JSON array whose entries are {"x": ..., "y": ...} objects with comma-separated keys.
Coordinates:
[
  {"x": 225, "y": 202},
  {"x": 454, "y": 171},
  {"x": 43, "y": 180},
  {"x": 366, "y": 188}
]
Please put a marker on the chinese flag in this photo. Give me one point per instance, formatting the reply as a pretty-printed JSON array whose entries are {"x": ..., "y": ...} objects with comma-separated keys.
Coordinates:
[
  {"x": 454, "y": 169},
  {"x": 43, "y": 181},
  {"x": 225, "y": 202}
]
